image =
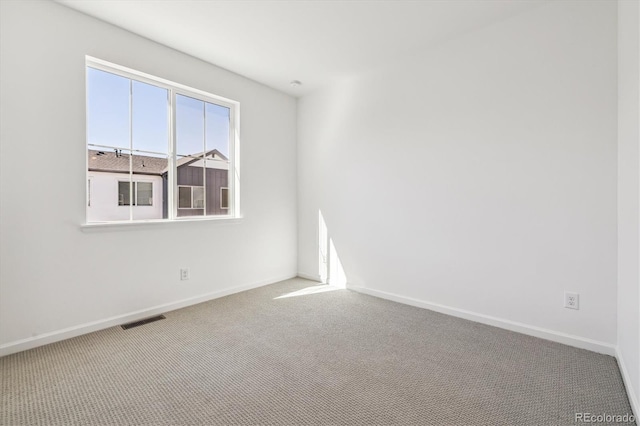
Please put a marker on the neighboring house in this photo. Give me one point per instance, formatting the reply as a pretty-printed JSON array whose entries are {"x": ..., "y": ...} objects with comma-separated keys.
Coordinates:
[
  {"x": 108, "y": 197},
  {"x": 191, "y": 191},
  {"x": 111, "y": 190}
]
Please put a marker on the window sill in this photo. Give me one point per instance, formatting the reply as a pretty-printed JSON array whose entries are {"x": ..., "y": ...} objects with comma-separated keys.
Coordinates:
[{"x": 104, "y": 226}]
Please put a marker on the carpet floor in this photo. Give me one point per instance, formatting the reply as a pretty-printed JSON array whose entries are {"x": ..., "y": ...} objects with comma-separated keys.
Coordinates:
[{"x": 295, "y": 353}]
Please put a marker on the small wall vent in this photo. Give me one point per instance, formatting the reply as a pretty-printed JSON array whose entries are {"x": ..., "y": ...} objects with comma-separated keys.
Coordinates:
[{"x": 142, "y": 322}]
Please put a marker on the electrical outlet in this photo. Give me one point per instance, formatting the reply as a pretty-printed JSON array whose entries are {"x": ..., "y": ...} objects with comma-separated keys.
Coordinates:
[
  {"x": 184, "y": 274},
  {"x": 571, "y": 300}
]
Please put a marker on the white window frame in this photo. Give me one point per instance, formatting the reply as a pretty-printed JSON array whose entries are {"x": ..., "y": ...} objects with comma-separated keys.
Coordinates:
[{"x": 175, "y": 89}]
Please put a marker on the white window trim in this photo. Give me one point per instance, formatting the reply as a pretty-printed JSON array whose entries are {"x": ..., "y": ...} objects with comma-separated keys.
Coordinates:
[
  {"x": 175, "y": 89},
  {"x": 124, "y": 225}
]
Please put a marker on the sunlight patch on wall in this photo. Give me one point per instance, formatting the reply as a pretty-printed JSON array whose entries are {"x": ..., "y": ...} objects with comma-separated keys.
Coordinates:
[
  {"x": 323, "y": 253},
  {"x": 337, "y": 277},
  {"x": 330, "y": 267}
]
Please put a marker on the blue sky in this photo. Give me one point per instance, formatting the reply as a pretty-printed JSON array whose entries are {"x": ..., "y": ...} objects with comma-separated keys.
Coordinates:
[{"x": 108, "y": 117}]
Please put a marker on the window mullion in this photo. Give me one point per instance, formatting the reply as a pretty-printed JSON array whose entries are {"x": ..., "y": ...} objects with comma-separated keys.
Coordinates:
[
  {"x": 172, "y": 171},
  {"x": 204, "y": 158},
  {"x": 233, "y": 181},
  {"x": 131, "y": 189}
]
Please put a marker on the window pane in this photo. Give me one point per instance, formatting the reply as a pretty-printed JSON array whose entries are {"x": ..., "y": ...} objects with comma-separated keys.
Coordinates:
[
  {"x": 144, "y": 194},
  {"x": 190, "y": 173},
  {"x": 124, "y": 193},
  {"x": 184, "y": 196},
  {"x": 189, "y": 126},
  {"x": 217, "y": 119},
  {"x": 149, "y": 118},
  {"x": 150, "y": 173},
  {"x": 109, "y": 185},
  {"x": 108, "y": 162},
  {"x": 198, "y": 197},
  {"x": 107, "y": 109},
  {"x": 190, "y": 145}
]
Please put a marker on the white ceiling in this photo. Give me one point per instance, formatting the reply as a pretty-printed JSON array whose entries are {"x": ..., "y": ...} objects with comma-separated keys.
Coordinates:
[{"x": 275, "y": 42}]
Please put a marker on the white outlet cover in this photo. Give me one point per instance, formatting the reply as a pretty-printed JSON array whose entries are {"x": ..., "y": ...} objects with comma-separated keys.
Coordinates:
[
  {"x": 184, "y": 274},
  {"x": 571, "y": 300}
]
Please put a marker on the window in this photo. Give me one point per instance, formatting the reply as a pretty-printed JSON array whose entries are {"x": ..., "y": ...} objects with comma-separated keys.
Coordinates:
[
  {"x": 146, "y": 134},
  {"x": 198, "y": 197},
  {"x": 142, "y": 194},
  {"x": 191, "y": 197},
  {"x": 124, "y": 193},
  {"x": 224, "y": 198}
]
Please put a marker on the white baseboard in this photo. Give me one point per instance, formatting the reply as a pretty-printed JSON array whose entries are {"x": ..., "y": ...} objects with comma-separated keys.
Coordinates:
[
  {"x": 633, "y": 397},
  {"x": 67, "y": 333},
  {"x": 580, "y": 342},
  {"x": 556, "y": 336}
]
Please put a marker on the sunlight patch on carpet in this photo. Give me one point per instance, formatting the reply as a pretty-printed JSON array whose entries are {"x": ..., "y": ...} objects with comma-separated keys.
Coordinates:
[{"x": 310, "y": 290}]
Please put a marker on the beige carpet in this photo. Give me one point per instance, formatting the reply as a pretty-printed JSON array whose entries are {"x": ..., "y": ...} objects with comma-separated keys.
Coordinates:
[{"x": 333, "y": 357}]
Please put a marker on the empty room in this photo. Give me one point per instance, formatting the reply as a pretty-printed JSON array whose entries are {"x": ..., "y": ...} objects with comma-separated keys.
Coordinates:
[{"x": 323, "y": 212}]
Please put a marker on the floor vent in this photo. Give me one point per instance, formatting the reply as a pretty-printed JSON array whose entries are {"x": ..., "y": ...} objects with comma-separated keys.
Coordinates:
[{"x": 142, "y": 322}]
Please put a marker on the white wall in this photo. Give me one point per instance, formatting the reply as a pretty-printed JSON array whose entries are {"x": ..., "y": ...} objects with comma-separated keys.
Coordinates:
[
  {"x": 53, "y": 275},
  {"x": 104, "y": 206},
  {"x": 479, "y": 175},
  {"x": 629, "y": 196}
]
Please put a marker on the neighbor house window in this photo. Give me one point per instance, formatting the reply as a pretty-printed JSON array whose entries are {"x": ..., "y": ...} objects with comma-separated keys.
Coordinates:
[
  {"x": 146, "y": 134},
  {"x": 224, "y": 198},
  {"x": 191, "y": 197},
  {"x": 142, "y": 194},
  {"x": 124, "y": 193}
]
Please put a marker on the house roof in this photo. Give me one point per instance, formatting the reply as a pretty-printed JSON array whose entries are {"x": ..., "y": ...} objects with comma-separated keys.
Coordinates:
[
  {"x": 108, "y": 161},
  {"x": 212, "y": 154}
]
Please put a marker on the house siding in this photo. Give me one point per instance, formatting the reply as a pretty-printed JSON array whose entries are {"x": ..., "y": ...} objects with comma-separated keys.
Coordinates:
[
  {"x": 215, "y": 179},
  {"x": 103, "y": 202}
]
